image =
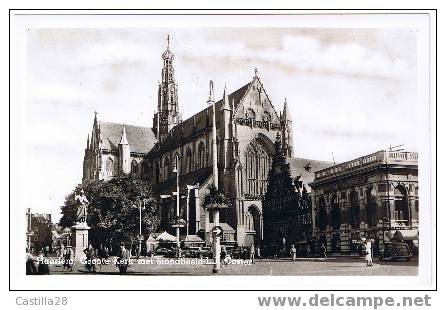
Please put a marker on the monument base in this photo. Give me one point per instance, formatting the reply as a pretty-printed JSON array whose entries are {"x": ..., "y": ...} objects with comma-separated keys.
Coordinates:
[{"x": 79, "y": 239}]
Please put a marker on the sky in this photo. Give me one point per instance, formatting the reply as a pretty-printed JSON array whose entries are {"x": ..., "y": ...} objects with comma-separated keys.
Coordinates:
[{"x": 351, "y": 92}]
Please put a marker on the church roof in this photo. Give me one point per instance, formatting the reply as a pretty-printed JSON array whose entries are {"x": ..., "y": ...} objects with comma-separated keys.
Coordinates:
[
  {"x": 305, "y": 168},
  {"x": 202, "y": 120},
  {"x": 193, "y": 178},
  {"x": 140, "y": 139}
]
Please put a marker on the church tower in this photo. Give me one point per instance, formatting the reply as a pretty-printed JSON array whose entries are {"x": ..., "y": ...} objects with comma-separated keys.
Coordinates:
[
  {"x": 287, "y": 131},
  {"x": 167, "y": 115}
]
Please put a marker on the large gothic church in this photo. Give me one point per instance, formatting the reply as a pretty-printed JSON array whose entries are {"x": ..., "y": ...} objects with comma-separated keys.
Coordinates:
[{"x": 247, "y": 125}]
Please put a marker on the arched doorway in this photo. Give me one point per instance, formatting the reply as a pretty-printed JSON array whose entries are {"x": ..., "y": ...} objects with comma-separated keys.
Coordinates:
[{"x": 253, "y": 226}]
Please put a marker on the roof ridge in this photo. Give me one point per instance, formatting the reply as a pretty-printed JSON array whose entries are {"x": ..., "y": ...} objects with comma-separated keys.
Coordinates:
[{"x": 124, "y": 124}]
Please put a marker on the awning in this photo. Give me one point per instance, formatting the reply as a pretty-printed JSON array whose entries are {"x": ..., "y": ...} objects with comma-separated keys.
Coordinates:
[
  {"x": 192, "y": 239},
  {"x": 166, "y": 237}
]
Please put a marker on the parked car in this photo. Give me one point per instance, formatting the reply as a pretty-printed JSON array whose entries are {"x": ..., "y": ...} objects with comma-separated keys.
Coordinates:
[
  {"x": 192, "y": 252},
  {"x": 395, "y": 251},
  {"x": 163, "y": 251},
  {"x": 206, "y": 252}
]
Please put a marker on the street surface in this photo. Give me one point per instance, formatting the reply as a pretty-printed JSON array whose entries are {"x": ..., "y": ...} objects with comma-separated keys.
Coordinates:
[{"x": 301, "y": 267}]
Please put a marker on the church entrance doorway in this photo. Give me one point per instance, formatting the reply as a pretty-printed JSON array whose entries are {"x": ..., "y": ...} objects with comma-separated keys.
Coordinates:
[{"x": 253, "y": 226}]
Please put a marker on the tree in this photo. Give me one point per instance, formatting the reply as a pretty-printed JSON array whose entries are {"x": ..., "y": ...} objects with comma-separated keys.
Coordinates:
[
  {"x": 216, "y": 199},
  {"x": 113, "y": 210}
]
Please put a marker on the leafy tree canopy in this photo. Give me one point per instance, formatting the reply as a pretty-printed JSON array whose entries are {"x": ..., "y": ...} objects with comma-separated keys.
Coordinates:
[
  {"x": 113, "y": 210},
  {"x": 216, "y": 199}
]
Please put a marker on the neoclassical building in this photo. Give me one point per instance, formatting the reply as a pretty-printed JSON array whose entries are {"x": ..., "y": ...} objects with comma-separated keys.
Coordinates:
[
  {"x": 369, "y": 197},
  {"x": 247, "y": 125}
]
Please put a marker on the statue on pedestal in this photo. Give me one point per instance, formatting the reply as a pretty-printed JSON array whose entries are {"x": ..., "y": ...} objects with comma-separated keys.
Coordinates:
[{"x": 81, "y": 207}]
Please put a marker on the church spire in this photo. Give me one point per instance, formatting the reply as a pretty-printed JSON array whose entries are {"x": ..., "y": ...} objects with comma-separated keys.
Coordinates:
[
  {"x": 167, "y": 115},
  {"x": 287, "y": 130}
]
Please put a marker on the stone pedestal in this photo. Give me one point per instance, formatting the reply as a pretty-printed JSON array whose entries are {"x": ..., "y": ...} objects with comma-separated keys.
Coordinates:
[{"x": 79, "y": 239}]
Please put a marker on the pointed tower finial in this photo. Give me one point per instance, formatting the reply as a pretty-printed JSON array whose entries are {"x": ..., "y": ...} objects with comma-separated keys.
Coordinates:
[
  {"x": 211, "y": 92},
  {"x": 225, "y": 105},
  {"x": 286, "y": 112},
  {"x": 124, "y": 137},
  {"x": 278, "y": 138},
  {"x": 255, "y": 72},
  {"x": 168, "y": 41}
]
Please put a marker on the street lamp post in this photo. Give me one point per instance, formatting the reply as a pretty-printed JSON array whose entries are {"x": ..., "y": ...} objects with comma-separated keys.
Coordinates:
[
  {"x": 177, "y": 171},
  {"x": 216, "y": 212},
  {"x": 140, "y": 229}
]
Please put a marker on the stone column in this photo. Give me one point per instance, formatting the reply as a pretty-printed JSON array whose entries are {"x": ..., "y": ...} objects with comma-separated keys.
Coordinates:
[
  {"x": 345, "y": 224},
  {"x": 329, "y": 225},
  {"x": 79, "y": 239},
  {"x": 197, "y": 209},
  {"x": 362, "y": 212}
]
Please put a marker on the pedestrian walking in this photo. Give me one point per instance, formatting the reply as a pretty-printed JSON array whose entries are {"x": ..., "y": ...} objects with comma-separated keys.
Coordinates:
[
  {"x": 308, "y": 251},
  {"x": 89, "y": 255},
  {"x": 293, "y": 252},
  {"x": 259, "y": 256},
  {"x": 252, "y": 252},
  {"x": 103, "y": 256},
  {"x": 43, "y": 267},
  {"x": 227, "y": 259},
  {"x": 123, "y": 259},
  {"x": 68, "y": 259},
  {"x": 61, "y": 250},
  {"x": 323, "y": 251},
  {"x": 30, "y": 266},
  {"x": 368, "y": 252},
  {"x": 223, "y": 256}
]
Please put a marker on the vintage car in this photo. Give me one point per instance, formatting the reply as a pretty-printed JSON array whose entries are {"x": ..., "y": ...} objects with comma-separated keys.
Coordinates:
[
  {"x": 163, "y": 252},
  {"x": 395, "y": 251}
]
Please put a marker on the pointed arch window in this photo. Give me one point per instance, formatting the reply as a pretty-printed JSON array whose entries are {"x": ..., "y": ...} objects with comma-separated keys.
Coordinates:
[
  {"x": 257, "y": 164},
  {"x": 148, "y": 168},
  {"x": 188, "y": 166},
  {"x": 109, "y": 167},
  {"x": 157, "y": 173},
  {"x": 166, "y": 168},
  {"x": 201, "y": 155},
  {"x": 134, "y": 167}
]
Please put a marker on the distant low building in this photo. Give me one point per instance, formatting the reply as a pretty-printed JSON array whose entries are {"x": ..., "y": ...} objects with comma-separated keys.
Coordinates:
[
  {"x": 374, "y": 196},
  {"x": 39, "y": 226}
]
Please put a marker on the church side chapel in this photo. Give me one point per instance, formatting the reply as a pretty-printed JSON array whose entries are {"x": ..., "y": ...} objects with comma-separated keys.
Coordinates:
[{"x": 250, "y": 132}]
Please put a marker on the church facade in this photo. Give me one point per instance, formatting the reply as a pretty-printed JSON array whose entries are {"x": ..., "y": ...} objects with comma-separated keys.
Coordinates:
[{"x": 247, "y": 125}]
